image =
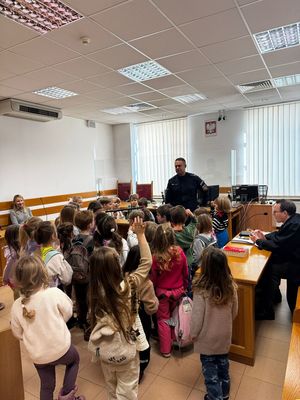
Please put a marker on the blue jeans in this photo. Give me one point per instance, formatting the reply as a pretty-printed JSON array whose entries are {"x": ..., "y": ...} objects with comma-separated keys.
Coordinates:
[{"x": 215, "y": 370}]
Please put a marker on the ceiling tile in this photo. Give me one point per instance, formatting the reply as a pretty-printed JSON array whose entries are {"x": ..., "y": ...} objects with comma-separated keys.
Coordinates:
[
  {"x": 180, "y": 12},
  {"x": 44, "y": 51},
  {"x": 92, "y": 6},
  {"x": 162, "y": 44},
  {"x": 132, "y": 88},
  {"x": 17, "y": 64},
  {"x": 32, "y": 97},
  {"x": 12, "y": 33},
  {"x": 82, "y": 86},
  {"x": 163, "y": 102},
  {"x": 203, "y": 31},
  {"x": 184, "y": 61},
  {"x": 149, "y": 96},
  {"x": 8, "y": 91},
  {"x": 118, "y": 56},
  {"x": 67, "y": 101},
  {"x": 4, "y": 74},
  {"x": 37, "y": 79},
  {"x": 70, "y": 35},
  {"x": 241, "y": 65},
  {"x": 199, "y": 74},
  {"x": 284, "y": 56},
  {"x": 244, "y": 2},
  {"x": 263, "y": 95},
  {"x": 290, "y": 92},
  {"x": 111, "y": 79},
  {"x": 286, "y": 69},
  {"x": 103, "y": 94},
  {"x": 248, "y": 77},
  {"x": 178, "y": 90},
  {"x": 133, "y": 19},
  {"x": 82, "y": 67},
  {"x": 164, "y": 82},
  {"x": 267, "y": 14}
]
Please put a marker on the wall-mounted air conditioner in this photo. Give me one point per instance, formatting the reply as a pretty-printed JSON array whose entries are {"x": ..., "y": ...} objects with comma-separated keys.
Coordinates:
[{"x": 27, "y": 110}]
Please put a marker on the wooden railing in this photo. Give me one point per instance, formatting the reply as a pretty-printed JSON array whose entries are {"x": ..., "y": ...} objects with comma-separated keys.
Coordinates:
[
  {"x": 45, "y": 206},
  {"x": 291, "y": 387}
]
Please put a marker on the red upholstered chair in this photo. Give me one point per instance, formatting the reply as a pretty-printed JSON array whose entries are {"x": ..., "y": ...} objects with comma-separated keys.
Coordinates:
[
  {"x": 145, "y": 190},
  {"x": 124, "y": 190}
]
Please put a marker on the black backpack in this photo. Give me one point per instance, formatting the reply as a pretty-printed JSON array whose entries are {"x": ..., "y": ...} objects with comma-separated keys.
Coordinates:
[{"x": 78, "y": 258}]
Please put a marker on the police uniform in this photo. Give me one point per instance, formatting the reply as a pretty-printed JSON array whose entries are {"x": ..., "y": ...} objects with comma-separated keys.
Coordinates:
[{"x": 183, "y": 190}]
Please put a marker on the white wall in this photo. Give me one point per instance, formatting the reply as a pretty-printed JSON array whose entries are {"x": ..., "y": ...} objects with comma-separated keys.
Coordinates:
[
  {"x": 50, "y": 158},
  {"x": 122, "y": 152},
  {"x": 209, "y": 157}
]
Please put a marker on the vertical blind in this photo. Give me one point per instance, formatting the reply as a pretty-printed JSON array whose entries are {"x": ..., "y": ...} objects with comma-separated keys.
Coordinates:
[
  {"x": 272, "y": 148},
  {"x": 156, "y": 146}
]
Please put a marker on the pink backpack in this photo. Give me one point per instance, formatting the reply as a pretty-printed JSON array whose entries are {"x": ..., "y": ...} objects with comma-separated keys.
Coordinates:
[{"x": 182, "y": 316}]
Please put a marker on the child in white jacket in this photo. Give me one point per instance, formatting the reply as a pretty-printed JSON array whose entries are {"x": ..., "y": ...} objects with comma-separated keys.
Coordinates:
[{"x": 38, "y": 318}]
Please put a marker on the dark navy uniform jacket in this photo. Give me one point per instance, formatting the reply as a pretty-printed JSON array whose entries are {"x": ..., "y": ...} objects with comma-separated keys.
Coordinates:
[{"x": 183, "y": 190}]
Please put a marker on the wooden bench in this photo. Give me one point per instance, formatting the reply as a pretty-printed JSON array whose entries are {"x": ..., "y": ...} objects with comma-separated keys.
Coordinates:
[
  {"x": 291, "y": 387},
  {"x": 48, "y": 207}
]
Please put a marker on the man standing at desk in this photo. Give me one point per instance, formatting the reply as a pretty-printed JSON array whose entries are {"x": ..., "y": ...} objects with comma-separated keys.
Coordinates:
[
  {"x": 183, "y": 188},
  {"x": 285, "y": 247}
]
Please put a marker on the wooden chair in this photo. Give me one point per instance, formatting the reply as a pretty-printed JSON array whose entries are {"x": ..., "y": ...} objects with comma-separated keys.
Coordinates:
[
  {"x": 145, "y": 190},
  {"x": 124, "y": 190}
]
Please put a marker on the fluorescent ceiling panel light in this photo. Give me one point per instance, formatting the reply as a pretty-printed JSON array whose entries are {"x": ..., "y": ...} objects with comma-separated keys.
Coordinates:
[
  {"x": 117, "y": 110},
  {"x": 287, "y": 80},
  {"x": 190, "y": 98},
  {"x": 41, "y": 15},
  {"x": 278, "y": 38},
  {"x": 144, "y": 71},
  {"x": 55, "y": 93}
]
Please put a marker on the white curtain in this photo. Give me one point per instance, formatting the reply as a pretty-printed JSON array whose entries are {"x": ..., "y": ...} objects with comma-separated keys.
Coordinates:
[
  {"x": 155, "y": 148},
  {"x": 273, "y": 149}
]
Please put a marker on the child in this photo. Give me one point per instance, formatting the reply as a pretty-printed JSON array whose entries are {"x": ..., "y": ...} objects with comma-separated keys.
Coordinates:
[
  {"x": 204, "y": 238},
  {"x": 114, "y": 312},
  {"x": 220, "y": 208},
  {"x": 131, "y": 236},
  {"x": 116, "y": 203},
  {"x": 107, "y": 235},
  {"x": 143, "y": 202},
  {"x": 28, "y": 245},
  {"x": 133, "y": 200},
  {"x": 84, "y": 221},
  {"x": 38, "y": 318},
  {"x": 11, "y": 253},
  {"x": 169, "y": 275},
  {"x": 163, "y": 213},
  {"x": 150, "y": 230},
  {"x": 67, "y": 214},
  {"x": 215, "y": 307},
  {"x": 148, "y": 305},
  {"x": 59, "y": 271}
]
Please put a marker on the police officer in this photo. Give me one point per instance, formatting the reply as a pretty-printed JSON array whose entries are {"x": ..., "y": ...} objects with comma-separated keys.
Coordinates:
[{"x": 184, "y": 187}]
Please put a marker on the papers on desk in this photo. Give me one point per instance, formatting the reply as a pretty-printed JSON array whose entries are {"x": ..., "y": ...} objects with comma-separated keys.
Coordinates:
[{"x": 243, "y": 240}]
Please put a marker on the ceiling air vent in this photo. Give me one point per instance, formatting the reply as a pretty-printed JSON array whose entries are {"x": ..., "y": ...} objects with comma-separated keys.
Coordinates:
[
  {"x": 255, "y": 86},
  {"x": 23, "y": 109},
  {"x": 140, "y": 107}
]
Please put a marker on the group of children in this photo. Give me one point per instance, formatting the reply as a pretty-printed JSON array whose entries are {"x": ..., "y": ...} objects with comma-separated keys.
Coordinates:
[{"x": 118, "y": 284}]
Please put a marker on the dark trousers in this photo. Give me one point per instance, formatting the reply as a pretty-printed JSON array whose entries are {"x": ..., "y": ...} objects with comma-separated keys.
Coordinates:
[
  {"x": 145, "y": 354},
  {"x": 47, "y": 374},
  {"x": 81, "y": 291},
  {"x": 215, "y": 369}
]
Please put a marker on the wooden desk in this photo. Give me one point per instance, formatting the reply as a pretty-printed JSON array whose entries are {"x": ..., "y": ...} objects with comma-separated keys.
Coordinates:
[
  {"x": 259, "y": 216},
  {"x": 2, "y": 258},
  {"x": 246, "y": 272},
  {"x": 234, "y": 218}
]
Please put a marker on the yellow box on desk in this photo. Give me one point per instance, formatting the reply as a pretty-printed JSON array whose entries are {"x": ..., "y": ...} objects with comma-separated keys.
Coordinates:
[{"x": 236, "y": 251}]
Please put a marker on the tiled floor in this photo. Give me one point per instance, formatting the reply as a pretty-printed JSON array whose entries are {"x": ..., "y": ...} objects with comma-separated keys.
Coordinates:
[{"x": 180, "y": 378}]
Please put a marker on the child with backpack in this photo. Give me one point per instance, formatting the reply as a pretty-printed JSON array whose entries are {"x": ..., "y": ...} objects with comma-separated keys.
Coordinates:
[
  {"x": 38, "y": 318},
  {"x": 214, "y": 308},
  {"x": 11, "y": 253},
  {"x": 204, "y": 238},
  {"x": 59, "y": 270},
  {"x": 118, "y": 334},
  {"x": 169, "y": 274},
  {"x": 148, "y": 302},
  {"x": 77, "y": 252}
]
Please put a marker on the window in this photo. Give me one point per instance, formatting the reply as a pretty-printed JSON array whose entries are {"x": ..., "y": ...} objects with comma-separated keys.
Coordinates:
[
  {"x": 273, "y": 148},
  {"x": 155, "y": 146}
]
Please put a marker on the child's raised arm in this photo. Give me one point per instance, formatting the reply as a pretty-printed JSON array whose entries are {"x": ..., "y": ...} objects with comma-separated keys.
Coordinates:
[{"x": 141, "y": 273}]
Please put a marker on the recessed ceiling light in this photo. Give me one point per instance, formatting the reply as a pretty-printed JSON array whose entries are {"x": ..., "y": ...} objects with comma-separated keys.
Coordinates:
[
  {"x": 190, "y": 98},
  {"x": 41, "y": 15},
  {"x": 287, "y": 80},
  {"x": 278, "y": 38},
  {"x": 55, "y": 93},
  {"x": 144, "y": 71},
  {"x": 117, "y": 110}
]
